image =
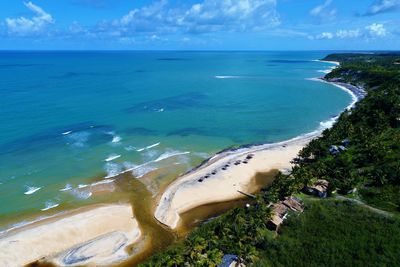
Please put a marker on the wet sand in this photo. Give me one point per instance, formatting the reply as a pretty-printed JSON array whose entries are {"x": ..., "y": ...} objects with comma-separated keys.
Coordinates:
[
  {"x": 223, "y": 178},
  {"x": 95, "y": 235}
]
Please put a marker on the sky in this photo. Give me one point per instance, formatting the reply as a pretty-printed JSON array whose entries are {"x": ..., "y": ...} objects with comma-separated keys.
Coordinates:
[{"x": 200, "y": 25}]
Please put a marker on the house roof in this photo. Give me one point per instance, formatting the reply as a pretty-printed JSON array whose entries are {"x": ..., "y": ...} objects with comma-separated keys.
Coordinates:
[
  {"x": 294, "y": 204},
  {"x": 320, "y": 185},
  {"x": 227, "y": 260},
  {"x": 279, "y": 211}
]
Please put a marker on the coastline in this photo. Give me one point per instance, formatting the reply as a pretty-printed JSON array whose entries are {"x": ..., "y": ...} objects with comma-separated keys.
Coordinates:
[
  {"x": 183, "y": 194},
  {"x": 229, "y": 182},
  {"x": 96, "y": 234},
  {"x": 210, "y": 183}
]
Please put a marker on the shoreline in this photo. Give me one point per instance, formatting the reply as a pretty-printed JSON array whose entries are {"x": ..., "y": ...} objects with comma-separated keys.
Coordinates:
[
  {"x": 97, "y": 234},
  {"x": 225, "y": 183},
  {"x": 181, "y": 195},
  {"x": 202, "y": 184}
]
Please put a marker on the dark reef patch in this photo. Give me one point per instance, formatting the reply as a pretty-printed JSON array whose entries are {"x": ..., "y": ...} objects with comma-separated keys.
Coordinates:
[
  {"x": 171, "y": 59},
  {"x": 189, "y": 131},
  {"x": 141, "y": 131},
  {"x": 183, "y": 101},
  {"x": 75, "y": 74},
  {"x": 5, "y": 66},
  {"x": 288, "y": 61},
  {"x": 52, "y": 137}
]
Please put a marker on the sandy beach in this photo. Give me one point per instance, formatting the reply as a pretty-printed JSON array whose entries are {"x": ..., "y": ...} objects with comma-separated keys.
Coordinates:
[
  {"x": 89, "y": 236},
  {"x": 223, "y": 176},
  {"x": 220, "y": 179},
  {"x": 99, "y": 235}
]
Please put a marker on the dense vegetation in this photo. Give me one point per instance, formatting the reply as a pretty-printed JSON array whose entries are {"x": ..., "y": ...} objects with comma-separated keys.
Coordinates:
[
  {"x": 328, "y": 233},
  {"x": 372, "y": 160},
  {"x": 334, "y": 233},
  {"x": 240, "y": 232}
]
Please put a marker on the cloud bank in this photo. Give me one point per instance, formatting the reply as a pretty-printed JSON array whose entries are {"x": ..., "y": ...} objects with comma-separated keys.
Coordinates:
[{"x": 22, "y": 26}]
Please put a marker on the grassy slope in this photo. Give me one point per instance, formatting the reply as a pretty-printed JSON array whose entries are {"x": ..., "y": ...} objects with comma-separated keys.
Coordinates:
[{"x": 334, "y": 233}]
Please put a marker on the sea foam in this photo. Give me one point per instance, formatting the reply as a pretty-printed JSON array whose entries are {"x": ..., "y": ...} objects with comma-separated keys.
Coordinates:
[
  {"x": 31, "y": 189},
  {"x": 116, "y": 139},
  {"x": 81, "y": 194},
  {"x": 227, "y": 77},
  {"x": 171, "y": 154},
  {"x": 148, "y": 147},
  {"x": 112, "y": 157},
  {"x": 66, "y": 188},
  {"x": 50, "y": 205},
  {"x": 112, "y": 169}
]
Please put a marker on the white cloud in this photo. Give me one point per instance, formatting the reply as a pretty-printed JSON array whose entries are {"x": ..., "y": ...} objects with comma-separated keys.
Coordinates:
[
  {"x": 373, "y": 30},
  {"x": 230, "y": 15},
  {"x": 382, "y": 6},
  {"x": 324, "y": 35},
  {"x": 204, "y": 17},
  {"x": 348, "y": 33},
  {"x": 324, "y": 11},
  {"x": 376, "y": 30},
  {"x": 29, "y": 26}
]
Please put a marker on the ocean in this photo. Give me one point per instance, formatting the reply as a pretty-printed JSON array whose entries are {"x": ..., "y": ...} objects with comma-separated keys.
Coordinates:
[{"x": 71, "y": 119}]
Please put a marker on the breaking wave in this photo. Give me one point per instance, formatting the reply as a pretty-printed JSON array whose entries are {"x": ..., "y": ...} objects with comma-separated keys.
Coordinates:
[
  {"x": 31, "y": 189},
  {"x": 50, "y": 205},
  {"x": 66, "y": 188},
  {"x": 112, "y": 157},
  {"x": 171, "y": 154},
  {"x": 148, "y": 147}
]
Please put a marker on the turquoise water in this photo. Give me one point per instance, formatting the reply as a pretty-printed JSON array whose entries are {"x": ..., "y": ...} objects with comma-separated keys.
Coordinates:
[{"x": 64, "y": 113}]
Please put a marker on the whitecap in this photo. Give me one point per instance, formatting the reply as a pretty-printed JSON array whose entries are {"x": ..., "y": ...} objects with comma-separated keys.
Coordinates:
[
  {"x": 171, "y": 154},
  {"x": 66, "y": 133},
  {"x": 82, "y": 186},
  {"x": 50, "y": 205},
  {"x": 103, "y": 182},
  {"x": 31, "y": 189},
  {"x": 325, "y": 71},
  {"x": 227, "y": 77},
  {"x": 148, "y": 147},
  {"x": 112, "y": 169},
  {"x": 112, "y": 157},
  {"x": 143, "y": 170},
  {"x": 328, "y": 123},
  {"x": 160, "y": 110},
  {"x": 81, "y": 194},
  {"x": 66, "y": 188},
  {"x": 116, "y": 139},
  {"x": 130, "y": 148}
]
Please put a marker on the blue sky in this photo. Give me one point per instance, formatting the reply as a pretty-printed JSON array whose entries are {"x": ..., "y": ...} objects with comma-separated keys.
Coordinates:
[{"x": 201, "y": 24}]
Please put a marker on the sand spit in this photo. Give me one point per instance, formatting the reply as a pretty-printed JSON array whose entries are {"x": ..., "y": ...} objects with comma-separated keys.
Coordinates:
[{"x": 90, "y": 236}]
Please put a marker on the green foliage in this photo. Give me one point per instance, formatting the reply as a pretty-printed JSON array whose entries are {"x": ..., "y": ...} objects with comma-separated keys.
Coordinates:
[
  {"x": 386, "y": 197},
  {"x": 372, "y": 127},
  {"x": 240, "y": 232},
  {"x": 334, "y": 233},
  {"x": 328, "y": 233}
]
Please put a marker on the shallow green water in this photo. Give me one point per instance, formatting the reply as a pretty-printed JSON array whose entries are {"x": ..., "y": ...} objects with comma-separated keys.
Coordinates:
[{"x": 64, "y": 113}]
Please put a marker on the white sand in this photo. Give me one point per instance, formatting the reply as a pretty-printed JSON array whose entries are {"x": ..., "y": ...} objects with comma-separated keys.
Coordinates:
[
  {"x": 87, "y": 236},
  {"x": 187, "y": 192}
]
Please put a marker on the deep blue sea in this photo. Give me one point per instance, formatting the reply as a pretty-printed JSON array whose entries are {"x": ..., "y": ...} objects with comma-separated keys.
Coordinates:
[{"x": 67, "y": 117}]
